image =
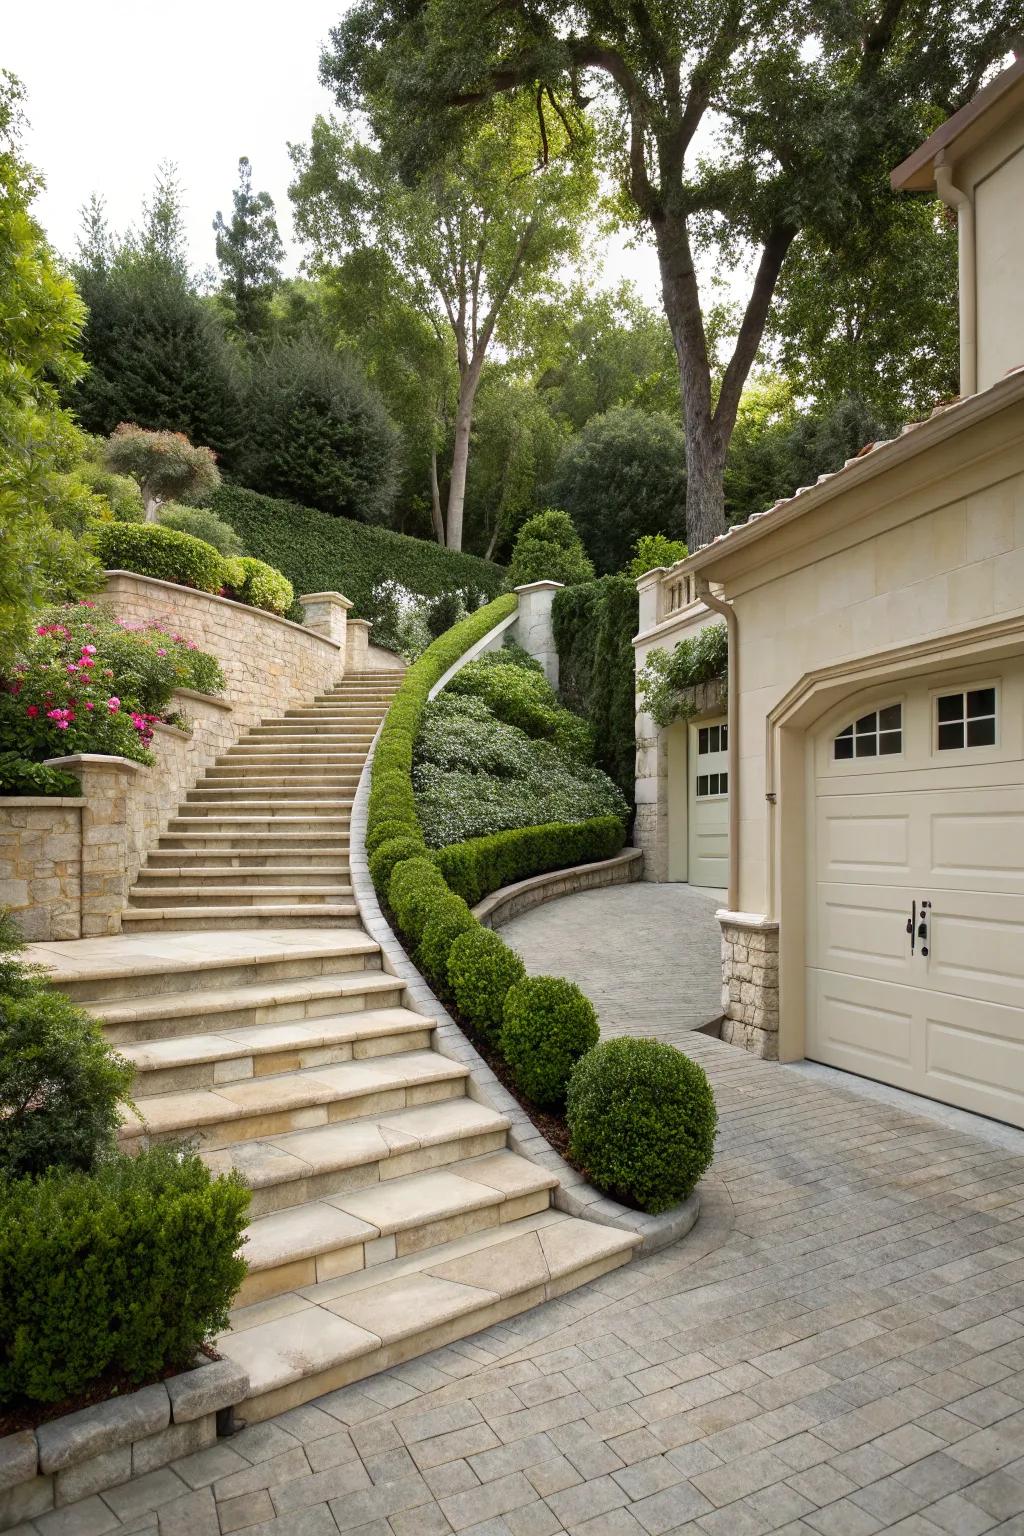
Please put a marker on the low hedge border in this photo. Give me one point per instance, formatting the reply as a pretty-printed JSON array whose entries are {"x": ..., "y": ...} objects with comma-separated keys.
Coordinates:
[{"x": 574, "y": 1195}]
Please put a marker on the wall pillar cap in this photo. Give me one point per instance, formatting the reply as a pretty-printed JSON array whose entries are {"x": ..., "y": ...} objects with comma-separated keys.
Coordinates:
[
  {"x": 746, "y": 919},
  {"x": 540, "y": 586},
  {"x": 649, "y": 578},
  {"x": 105, "y": 760},
  {"x": 360, "y": 623},
  {"x": 326, "y": 597}
]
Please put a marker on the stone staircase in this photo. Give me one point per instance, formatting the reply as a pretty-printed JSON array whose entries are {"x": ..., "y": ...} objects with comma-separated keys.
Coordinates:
[{"x": 388, "y": 1214}]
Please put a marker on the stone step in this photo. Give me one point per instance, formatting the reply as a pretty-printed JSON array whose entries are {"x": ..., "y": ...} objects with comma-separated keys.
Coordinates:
[
  {"x": 285, "y": 757},
  {"x": 161, "y": 876},
  {"x": 300, "y": 1166},
  {"x": 305, "y": 1245},
  {"x": 232, "y": 855},
  {"x": 179, "y": 1063},
  {"x": 192, "y": 974},
  {"x": 226, "y": 827},
  {"x": 186, "y": 919},
  {"x": 222, "y": 792},
  {"x": 207, "y": 837},
  {"x": 263, "y": 890},
  {"x": 228, "y": 1006},
  {"x": 298, "y": 1346},
  {"x": 304, "y": 773},
  {"x": 292, "y": 1101},
  {"x": 252, "y": 804}
]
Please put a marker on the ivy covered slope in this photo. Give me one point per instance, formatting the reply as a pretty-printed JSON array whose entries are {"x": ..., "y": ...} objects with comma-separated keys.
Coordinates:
[
  {"x": 594, "y": 624},
  {"x": 319, "y": 553}
]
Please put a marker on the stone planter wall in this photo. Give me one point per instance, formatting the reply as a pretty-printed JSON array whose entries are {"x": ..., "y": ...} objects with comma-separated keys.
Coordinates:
[
  {"x": 512, "y": 900},
  {"x": 102, "y": 1447},
  {"x": 750, "y": 983}
]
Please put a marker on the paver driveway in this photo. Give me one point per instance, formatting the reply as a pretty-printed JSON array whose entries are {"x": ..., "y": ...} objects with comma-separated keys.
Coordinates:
[{"x": 837, "y": 1347}]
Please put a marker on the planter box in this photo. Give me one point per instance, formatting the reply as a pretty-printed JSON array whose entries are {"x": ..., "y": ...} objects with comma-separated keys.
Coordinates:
[{"x": 110, "y": 1443}]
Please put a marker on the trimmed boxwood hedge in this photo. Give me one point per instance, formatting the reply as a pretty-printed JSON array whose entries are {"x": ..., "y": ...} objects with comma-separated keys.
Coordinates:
[
  {"x": 319, "y": 553},
  {"x": 594, "y": 624},
  {"x": 163, "y": 553},
  {"x": 484, "y": 864},
  {"x": 547, "y": 1025}
]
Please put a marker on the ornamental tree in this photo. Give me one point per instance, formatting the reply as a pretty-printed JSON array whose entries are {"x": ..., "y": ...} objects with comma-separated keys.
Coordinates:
[
  {"x": 730, "y": 129},
  {"x": 166, "y": 465},
  {"x": 249, "y": 253},
  {"x": 481, "y": 230}
]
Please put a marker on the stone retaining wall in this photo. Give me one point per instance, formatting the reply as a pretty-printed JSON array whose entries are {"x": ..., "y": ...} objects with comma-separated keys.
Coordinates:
[
  {"x": 750, "y": 983},
  {"x": 512, "y": 900},
  {"x": 110, "y": 1443}
]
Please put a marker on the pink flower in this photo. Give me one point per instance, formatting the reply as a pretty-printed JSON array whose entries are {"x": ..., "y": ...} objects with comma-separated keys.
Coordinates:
[
  {"x": 113, "y": 704},
  {"x": 32, "y": 711},
  {"x": 71, "y": 667},
  {"x": 88, "y": 650},
  {"x": 89, "y": 704},
  {"x": 161, "y": 652},
  {"x": 83, "y": 602},
  {"x": 42, "y": 629},
  {"x": 62, "y": 725}
]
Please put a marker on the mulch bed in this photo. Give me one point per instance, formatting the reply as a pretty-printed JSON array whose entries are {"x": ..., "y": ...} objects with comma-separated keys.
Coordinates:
[{"x": 28, "y": 1415}]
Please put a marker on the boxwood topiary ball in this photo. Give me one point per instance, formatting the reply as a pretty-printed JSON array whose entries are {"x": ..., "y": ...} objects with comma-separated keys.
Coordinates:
[
  {"x": 642, "y": 1122},
  {"x": 417, "y": 885},
  {"x": 481, "y": 969},
  {"x": 547, "y": 1025},
  {"x": 383, "y": 861},
  {"x": 449, "y": 916}
]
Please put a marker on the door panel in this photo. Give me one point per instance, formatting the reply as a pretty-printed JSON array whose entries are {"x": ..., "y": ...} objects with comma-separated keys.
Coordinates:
[{"x": 708, "y": 804}]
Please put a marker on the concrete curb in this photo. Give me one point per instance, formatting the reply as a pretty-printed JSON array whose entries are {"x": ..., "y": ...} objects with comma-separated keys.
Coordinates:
[
  {"x": 513, "y": 900},
  {"x": 574, "y": 1195}
]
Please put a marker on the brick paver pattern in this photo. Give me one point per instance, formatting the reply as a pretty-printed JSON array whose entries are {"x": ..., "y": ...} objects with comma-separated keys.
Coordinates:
[
  {"x": 647, "y": 956},
  {"x": 837, "y": 1347}
]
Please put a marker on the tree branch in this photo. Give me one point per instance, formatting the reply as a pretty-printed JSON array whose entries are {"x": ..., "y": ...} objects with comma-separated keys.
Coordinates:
[{"x": 752, "y": 328}]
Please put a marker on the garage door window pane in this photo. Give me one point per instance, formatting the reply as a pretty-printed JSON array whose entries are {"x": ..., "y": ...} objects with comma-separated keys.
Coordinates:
[
  {"x": 966, "y": 719},
  {"x": 879, "y": 734}
]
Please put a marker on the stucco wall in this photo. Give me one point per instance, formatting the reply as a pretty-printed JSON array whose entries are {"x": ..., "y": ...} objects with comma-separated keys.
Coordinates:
[
  {"x": 931, "y": 547},
  {"x": 993, "y": 175}
]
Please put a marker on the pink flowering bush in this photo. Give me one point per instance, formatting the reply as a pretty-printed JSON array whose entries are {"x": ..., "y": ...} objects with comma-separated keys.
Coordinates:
[{"x": 88, "y": 682}]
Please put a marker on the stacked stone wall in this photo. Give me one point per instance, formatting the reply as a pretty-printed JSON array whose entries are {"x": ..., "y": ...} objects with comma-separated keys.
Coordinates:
[{"x": 750, "y": 984}]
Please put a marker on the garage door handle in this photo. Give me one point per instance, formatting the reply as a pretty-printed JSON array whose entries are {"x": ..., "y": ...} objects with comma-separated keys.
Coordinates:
[{"x": 912, "y": 924}]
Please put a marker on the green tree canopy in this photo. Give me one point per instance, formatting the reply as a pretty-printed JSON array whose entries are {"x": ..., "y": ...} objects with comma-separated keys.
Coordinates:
[
  {"x": 470, "y": 240},
  {"x": 622, "y": 477},
  {"x": 731, "y": 130},
  {"x": 249, "y": 253},
  {"x": 40, "y": 322}
]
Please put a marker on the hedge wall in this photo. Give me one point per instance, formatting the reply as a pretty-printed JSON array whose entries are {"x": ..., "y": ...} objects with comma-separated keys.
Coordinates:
[
  {"x": 319, "y": 553},
  {"x": 480, "y": 865},
  {"x": 594, "y": 624}
]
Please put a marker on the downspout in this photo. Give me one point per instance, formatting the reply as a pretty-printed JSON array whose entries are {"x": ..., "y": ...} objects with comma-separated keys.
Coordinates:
[
  {"x": 732, "y": 702},
  {"x": 954, "y": 197}
]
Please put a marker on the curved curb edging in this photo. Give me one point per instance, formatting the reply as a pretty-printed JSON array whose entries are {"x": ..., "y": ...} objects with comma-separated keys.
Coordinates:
[
  {"x": 513, "y": 900},
  {"x": 573, "y": 1195}
]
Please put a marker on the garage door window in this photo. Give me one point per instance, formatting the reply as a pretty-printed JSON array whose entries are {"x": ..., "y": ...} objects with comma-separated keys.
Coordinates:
[
  {"x": 709, "y": 784},
  {"x": 966, "y": 719},
  {"x": 878, "y": 734}
]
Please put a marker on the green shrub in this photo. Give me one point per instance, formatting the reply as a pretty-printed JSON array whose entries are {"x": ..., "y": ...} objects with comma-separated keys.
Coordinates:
[
  {"x": 415, "y": 886},
  {"x": 61, "y": 1085},
  {"x": 654, "y": 550},
  {"x": 384, "y": 831},
  {"x": 389, "y": 854},
  {"x": 19, "y": 776},
  {"x": 162, "y": 553},
  {"x": 319, "y": 553},
  {"x": 121, "y": 491},
  {"x": 665, "y": 679},
  {"x": 201, "y": 523},
  {"x": 523, "y": 697},
  {"x": 481, "y": 969},
  {"x": 483, "y": 864},
  {"x": 261, "y": 586},
  {"x": 594, "y": 624},
  {"x": 547, "y": 1025},
  {"x": 642, "y": 1122},
  {"x": 128, "y": 1269},
  {"x": 449, "y": 916},
  {"x": 443, "y": 612},
  {"x": 548, "y": 548}
]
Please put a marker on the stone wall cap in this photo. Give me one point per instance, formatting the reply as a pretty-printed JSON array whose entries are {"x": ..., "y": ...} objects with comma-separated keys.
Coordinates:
[
  {"x": 79, "y": 1436},
  {"x": 175, "y": 588},
  {"x": 167, "y": 729},
  {"x": 745, "y": 919},
  {"x": 105, "y": 759},
  {"x": 210, "y": 1386},
  {"x": 362, "y": 623},
  {"x": 12, "y": 802},
  {"x": 488, "y": 905},
  {"x": 326, "y": 597},
  {"x": 19, "y": 1458},
  {"x": 203, "y": 698},
  {"x": 540, "y": 586}
]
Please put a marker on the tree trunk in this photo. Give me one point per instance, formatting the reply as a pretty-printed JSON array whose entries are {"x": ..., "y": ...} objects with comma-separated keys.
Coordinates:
[
  {"x": 436, "y": 515},
  {"x": 460, "y": 459},
  {"x": 705, "y": 484},
  {"x": 151, "y": 504}
]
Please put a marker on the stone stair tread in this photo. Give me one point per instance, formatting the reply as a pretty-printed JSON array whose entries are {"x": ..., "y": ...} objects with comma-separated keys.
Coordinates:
[
  {"x": 168, "y": 872},
  {"x": 194, "y": 1108},
  {"x": 77, "y": 960},
  {"x": 414, "y": 1200},
  {"x": 200, "y": 913},
  {"x": 265, "y": 888},
  {"x": 253, "y": 995},
  {"x": 305, "y": 1334},
  {"x": 348, "y": 1144},
  {"x": 263, "y": 1039}
]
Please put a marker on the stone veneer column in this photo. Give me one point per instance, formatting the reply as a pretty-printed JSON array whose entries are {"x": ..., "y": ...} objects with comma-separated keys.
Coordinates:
[
  {"x": 750, "y": 982},
  {"x": 357, "y": 645},
  {"x": 533, "y": 628},
  {"x": 106, "y": 837},
  {"x": 327, "y": 613}
]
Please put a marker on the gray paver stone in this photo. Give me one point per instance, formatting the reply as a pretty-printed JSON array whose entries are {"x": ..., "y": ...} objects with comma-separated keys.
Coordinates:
[{"x": 96, "y": 1475}]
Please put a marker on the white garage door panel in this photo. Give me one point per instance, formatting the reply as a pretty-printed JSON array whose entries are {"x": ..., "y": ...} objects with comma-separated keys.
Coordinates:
[
  {"x": 976, "y": 1061},
  {"x": 865, "y": 1027},
  {"x": 862, "y": 930},
  {"x": 975, "y": 954},
  {"x": 857, "y": 841},
  {"x": 981, "y": 844}
]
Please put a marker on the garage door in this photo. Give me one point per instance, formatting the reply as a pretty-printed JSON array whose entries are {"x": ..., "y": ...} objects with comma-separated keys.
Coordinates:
[
  {"x": 916, "y": 895},
  {"x": 708, "y": 811}
]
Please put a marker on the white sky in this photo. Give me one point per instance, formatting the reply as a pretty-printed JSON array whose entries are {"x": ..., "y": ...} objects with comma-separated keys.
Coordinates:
[{"x": 116, "y": 86}]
